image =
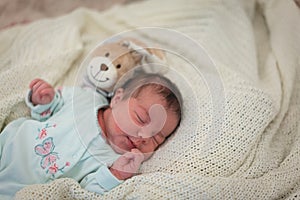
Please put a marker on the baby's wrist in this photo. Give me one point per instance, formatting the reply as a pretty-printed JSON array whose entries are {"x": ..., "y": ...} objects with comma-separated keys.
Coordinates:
[{"x": 120, "y": 175}]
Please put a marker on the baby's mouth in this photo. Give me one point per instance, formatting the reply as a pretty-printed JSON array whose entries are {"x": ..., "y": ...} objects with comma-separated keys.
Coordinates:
[{"x": 131, "y": 145}]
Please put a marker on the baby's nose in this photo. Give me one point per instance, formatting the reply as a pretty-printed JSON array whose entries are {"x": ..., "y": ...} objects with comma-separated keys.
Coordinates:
[{"x": 144, "y": 133}]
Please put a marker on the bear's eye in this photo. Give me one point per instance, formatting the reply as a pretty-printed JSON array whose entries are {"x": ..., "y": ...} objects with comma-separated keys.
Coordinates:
[
  {"x": 107, "y": 54},
  {"x": 118, "y": 66}
]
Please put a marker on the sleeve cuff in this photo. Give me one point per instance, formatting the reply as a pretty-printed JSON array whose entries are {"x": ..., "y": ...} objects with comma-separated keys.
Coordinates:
[
  {"x": 106, "y": 179},
  {"x": 43, "y": 112}
]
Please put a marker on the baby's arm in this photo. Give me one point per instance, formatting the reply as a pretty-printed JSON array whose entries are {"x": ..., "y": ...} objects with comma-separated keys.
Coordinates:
[
  {"x": 43, "y": 100},
  {"x": 105, "y": 179},
  {"x": 127, "y": 165}
]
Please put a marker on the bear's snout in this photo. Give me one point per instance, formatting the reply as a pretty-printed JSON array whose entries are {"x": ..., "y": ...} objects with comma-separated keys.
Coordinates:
[{"x": 103, "y": 67}]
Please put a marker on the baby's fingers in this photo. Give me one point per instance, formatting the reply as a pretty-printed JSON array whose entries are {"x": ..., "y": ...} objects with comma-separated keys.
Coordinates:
[
  {"x": 134, "y": 161},
  {"x": 34, "y": 82},
  {"x": 128, "y": 164},
  {"x": 139, "y": 156},
  {"x": 45, "y": 99},
  {"x": 42, "y": 92},
  {"x": 46, "y": 91}
]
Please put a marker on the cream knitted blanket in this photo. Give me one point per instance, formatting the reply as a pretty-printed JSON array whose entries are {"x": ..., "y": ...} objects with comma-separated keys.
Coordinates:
[{"x": 239, "y": 134}]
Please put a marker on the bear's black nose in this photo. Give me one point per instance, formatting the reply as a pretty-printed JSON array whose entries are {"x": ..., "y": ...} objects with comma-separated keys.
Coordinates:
[{"x": 103, "y": 67}]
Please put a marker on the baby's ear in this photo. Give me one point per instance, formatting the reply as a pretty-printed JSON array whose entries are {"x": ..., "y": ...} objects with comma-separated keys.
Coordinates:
[
  {"x": 118, "y": 96},
  {"x": 136, "y": 56}
]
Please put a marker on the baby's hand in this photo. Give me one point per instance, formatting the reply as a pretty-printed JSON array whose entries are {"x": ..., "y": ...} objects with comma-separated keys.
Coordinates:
[
  {"x": 127, "y": 165},
  {"x": 42, "y": 92}
]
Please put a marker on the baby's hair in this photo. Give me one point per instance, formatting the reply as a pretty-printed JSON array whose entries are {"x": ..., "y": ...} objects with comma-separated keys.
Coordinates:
[{"x": 160, "y": 85}]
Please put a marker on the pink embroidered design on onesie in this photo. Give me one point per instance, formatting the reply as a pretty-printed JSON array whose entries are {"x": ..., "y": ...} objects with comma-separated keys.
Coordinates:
[
  {"x": 46, "y": 151},
  {"x": 53, "y": 169},
  {"x": 44, "y": 131},
  {"x": 46, "y": 113},
  {"x": 49, "y": 157}
]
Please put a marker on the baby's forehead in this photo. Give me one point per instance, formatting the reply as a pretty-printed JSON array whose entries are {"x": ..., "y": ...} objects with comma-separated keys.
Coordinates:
[{"x": 148, "y": 92}]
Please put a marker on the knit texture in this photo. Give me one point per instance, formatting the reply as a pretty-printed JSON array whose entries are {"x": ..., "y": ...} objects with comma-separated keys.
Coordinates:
[{"x": 239, "y": 134}]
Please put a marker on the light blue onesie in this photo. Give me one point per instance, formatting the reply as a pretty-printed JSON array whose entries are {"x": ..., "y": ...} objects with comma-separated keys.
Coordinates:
[{"x": 62, "y": 139}]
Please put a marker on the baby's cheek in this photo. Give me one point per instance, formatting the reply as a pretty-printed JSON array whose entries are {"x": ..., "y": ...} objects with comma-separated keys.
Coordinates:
[
  {"x": 150, "y": 146},
  {"x": 158, "y": 118},
  {"x": 117, "y": 128}
]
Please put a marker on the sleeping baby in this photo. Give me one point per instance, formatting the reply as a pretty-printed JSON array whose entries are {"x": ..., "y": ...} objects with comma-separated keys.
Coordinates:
[{"x": 75, "y": 132}]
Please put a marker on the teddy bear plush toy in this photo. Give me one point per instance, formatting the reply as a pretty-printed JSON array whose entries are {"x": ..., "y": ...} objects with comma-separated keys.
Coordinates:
[{"x": 109, "y": 61}]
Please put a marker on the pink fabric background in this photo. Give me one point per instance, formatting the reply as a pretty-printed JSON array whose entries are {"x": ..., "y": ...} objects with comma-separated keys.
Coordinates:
[{"x": 15, "y": 12}]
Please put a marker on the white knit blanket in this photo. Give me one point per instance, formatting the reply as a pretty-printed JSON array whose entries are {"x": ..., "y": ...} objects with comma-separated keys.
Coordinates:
[{"x": 239, "y": 137}]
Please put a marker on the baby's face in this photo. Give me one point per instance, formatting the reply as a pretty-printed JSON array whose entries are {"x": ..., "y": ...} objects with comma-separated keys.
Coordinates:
[{"x": 142, "y": 122}]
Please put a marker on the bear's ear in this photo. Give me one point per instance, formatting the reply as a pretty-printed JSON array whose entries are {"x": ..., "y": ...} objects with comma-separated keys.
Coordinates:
[
  {"x": 158, "y": 53},
  {"x": 137, "y": 57},
  {"x": 126, "y": 41},
  {"x": 135, "y": 43}
]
